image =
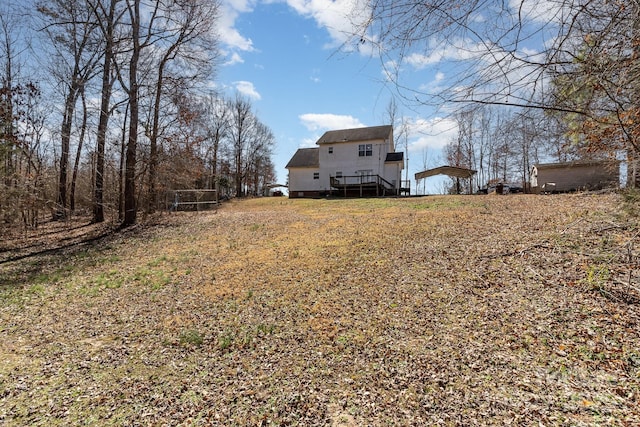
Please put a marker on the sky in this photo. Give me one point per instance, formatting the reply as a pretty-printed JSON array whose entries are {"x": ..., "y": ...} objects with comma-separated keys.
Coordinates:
[{"x": 288, "y": 58}]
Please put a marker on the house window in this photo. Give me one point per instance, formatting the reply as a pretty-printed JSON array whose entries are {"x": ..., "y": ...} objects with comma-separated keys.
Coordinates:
[
  {"x": 330, "y": 150},
  {"x": 316, "y": 175},
  {"x": 338, "y": 174},
  {"x": 365, "y": 150}
]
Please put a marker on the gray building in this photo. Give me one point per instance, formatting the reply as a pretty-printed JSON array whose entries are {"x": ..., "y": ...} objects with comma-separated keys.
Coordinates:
[{"x": 575, "y": 176}]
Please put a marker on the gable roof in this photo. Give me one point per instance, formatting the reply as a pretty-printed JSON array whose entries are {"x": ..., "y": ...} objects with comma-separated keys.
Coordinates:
[
  {"x": 356, "y": 134},
  {"x": 305, "y": 158}
]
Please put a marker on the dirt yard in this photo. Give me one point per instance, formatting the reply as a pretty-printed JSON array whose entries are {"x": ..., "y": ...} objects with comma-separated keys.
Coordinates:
[{"x": 453, "y": 310}]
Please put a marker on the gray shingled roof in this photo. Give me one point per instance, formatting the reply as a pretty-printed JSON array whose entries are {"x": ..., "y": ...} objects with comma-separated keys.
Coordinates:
[
  {"x": 305, "y": 158},
  {"x": 357, "y": 134}
]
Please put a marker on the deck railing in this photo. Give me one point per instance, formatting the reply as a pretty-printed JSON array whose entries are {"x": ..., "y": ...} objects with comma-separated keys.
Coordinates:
[{"x": 362, "y": 183}]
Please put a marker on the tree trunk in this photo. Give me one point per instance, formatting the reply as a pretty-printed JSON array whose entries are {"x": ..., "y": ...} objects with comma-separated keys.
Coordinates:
[
  {"x": 239, "y": 173},
  {"x": 214, "y": 161},
  {"x": 6, "y": 108},
  {"x": 76, "y": 164},
  {"x": 107, "y": 84},
  {"x": 633, "y": 176},
  {"x": 633, "y": 167},
  {"x": 65, "y": 140},
  {"x": 123, "y": 149},
  {"x": 130, "y": 205},
  {"x": 153, "y": 140}
]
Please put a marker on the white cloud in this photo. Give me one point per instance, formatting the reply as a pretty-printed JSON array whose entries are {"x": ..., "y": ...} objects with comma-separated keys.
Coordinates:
[
  {"x": 480, "y": 70},
  {"x": 457, "y": 51},
  {"x": 246, "y": 88},
  {"x": 478, "y": 17},
  {"x": 435, "y": 85},
  {"x": 315, "y": 75},
  {"x": 433, "y": 133},
  {"x": 338, "y": 17},
  {"x": 234, "y": 59},
  {"x": 316, "y": 122},
  {"x": 544, "y": 11},
  {"x": 420, "y": 61},
  {"x": 229, "y": 12},
  {"x": 240, "y": 5}
]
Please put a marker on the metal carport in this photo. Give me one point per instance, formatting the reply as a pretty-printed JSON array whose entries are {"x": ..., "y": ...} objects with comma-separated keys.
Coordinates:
[{"x": 453, "y": 171}]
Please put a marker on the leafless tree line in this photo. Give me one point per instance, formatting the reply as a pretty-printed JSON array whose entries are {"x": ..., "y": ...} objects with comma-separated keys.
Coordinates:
[
  {"x": 105, "y": 105},
  {"x": 502, "y": 145},
  {"x": 568, "y": 71}
]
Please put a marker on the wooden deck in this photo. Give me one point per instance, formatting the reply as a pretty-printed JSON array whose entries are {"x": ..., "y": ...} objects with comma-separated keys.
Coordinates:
[{"x": 362, "y": 186}]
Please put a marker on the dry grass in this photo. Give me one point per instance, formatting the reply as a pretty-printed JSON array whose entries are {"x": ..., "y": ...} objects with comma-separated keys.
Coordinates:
[{"x": 519, "y": 310}]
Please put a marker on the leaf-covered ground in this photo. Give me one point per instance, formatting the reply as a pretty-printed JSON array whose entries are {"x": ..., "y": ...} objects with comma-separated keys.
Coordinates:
[{"x": 476, "y": 310}]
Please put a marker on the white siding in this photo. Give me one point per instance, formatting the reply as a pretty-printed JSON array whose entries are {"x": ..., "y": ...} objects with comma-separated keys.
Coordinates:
[
  {"x": 345, "y": 159},
  {"x": 393, "y": 174},
  {"x": 301, "y": 179}
]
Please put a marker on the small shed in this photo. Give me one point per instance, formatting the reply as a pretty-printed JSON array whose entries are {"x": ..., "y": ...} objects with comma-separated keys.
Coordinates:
[{"x": 575, "y": 176}]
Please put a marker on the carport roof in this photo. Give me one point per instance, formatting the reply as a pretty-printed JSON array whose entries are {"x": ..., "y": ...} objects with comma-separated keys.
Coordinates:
[{"x": 453, "y": 171}]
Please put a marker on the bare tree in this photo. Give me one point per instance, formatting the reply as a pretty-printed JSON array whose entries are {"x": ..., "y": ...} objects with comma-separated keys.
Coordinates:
[
  {"x": 249, "y": 141},
  {"x": 557, "y": 141},
  {"x": 598, "y": 82},
  {"x": 258, "y": 166},
  {"x": 181, "y": 157},
  {"x": 8, "y": 94},
  {"x": 76, "y": 163},
  {"x": 148, "y": 51},
  {"x": 501, "y": 164},
  {"x": 131, "y": 86},
  {"x": 525, "y": 141},
  {"x": 425, "y": 163},
  {"x": 168, "y": 31},
  {"x": 21, "y": 126},
  {"x": 482, "y": 39},
  {"x": 187, "y": 28},
  {"x": 460, "y": 151},
  {"x": 240, "y": 132},
  {"x": 107, "y": 15},
  {"x": 217, "y": 127},
  {"x": 484, "y": 146},
  {"x": 71, "y": 30},
  {"x": 401, "y": 132},
  {"x": 590, "y": 50}
]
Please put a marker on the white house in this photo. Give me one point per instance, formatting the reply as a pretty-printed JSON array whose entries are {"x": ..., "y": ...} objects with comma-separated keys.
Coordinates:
[{"x": 348, "y": 162}]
